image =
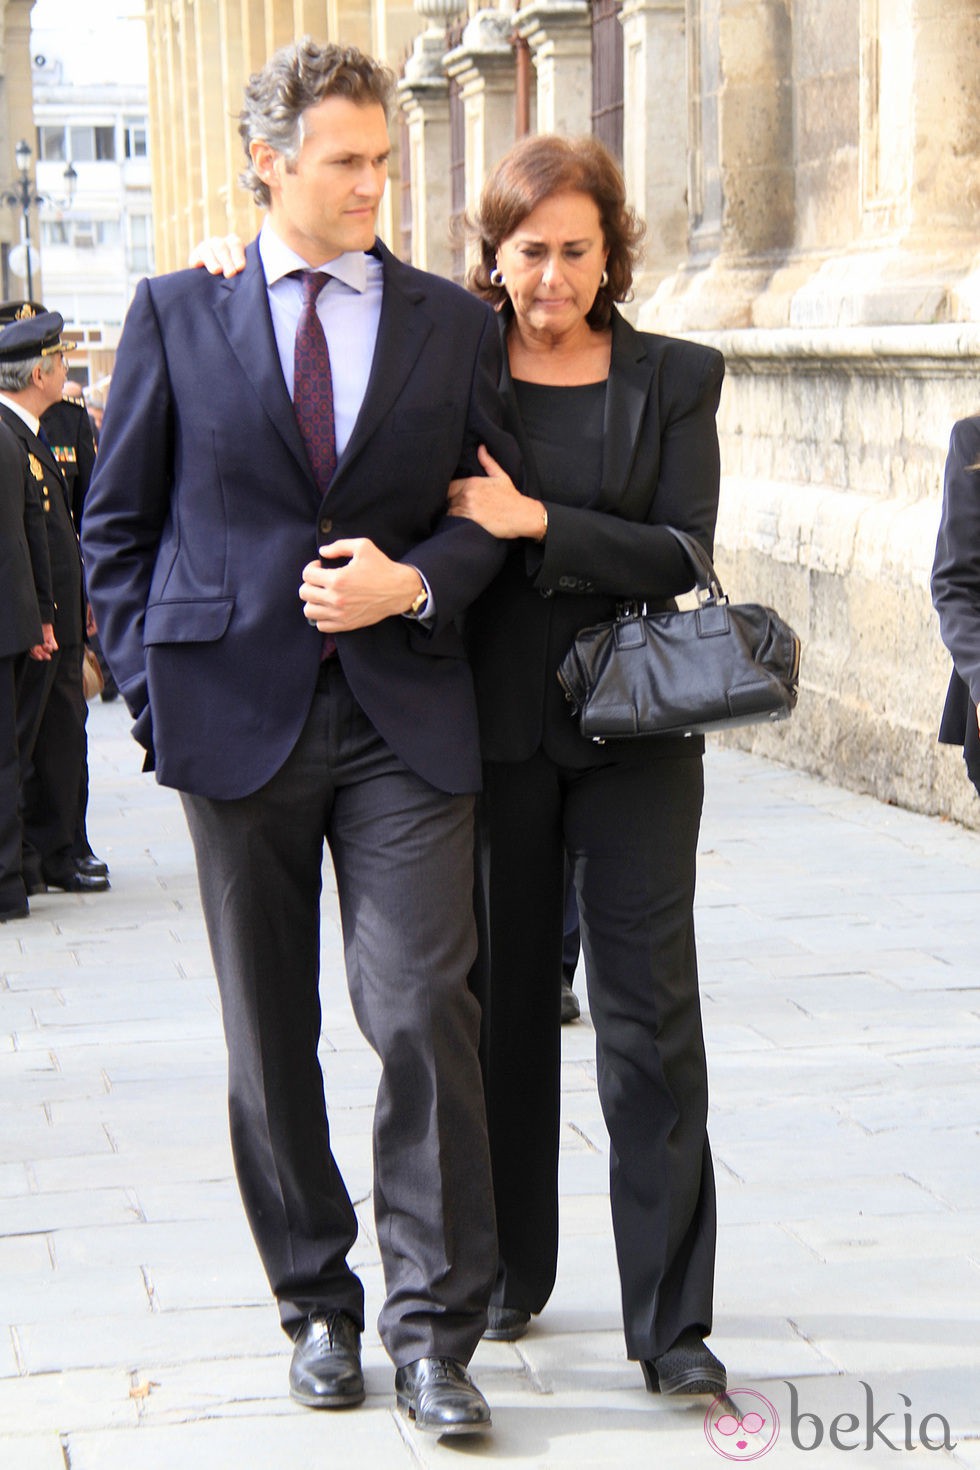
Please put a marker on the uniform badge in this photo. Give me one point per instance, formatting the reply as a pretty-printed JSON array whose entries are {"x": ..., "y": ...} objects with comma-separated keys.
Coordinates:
[
  {"x": 64, "y": 453},
  {"x": 35, "y": 465}
]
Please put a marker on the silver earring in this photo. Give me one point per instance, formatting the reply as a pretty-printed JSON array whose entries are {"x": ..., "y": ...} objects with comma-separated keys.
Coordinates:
[
  {"x": 496, "y": 276},
  {"x": 604, "y": 279}
]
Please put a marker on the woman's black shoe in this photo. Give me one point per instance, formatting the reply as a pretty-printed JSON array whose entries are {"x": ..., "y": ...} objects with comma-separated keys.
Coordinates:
[
  {"x": 506, "y": 1324},
  {"x": 687, "y": 1367}
]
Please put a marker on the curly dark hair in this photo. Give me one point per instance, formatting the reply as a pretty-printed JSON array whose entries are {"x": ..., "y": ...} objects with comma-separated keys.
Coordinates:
[
  {"x": 530, "y": 172},
  {"x": 297, "y": 77}
]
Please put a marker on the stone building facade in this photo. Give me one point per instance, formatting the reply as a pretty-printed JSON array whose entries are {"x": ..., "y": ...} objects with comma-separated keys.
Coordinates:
[
  {"x": 809, "y": 171},
  {"x": 16, "y": 122}
]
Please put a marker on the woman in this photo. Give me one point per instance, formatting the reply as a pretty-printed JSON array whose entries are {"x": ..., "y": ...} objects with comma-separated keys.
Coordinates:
[
  {"x": 956, "y": 590},
  {"x": 618, "y": 436}
]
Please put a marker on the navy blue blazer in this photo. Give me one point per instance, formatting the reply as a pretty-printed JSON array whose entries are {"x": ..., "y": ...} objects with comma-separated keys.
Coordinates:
[
  {"x": 202, "y": 513},
  {"x": 26, "y": 595}
]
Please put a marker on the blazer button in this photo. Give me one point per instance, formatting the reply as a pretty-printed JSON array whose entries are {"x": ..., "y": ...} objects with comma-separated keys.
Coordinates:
[{"x": 325, "y": 527}]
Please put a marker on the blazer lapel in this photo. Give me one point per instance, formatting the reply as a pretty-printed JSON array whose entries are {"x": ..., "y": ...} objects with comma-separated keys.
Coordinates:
[
  {"x": 631, "y": 377},
  {"x": 242, "y": 312},
  {"x": 402, "y": 332},
  {"x": 512, "y": 414},
  {"x": 35, "y": 446}
]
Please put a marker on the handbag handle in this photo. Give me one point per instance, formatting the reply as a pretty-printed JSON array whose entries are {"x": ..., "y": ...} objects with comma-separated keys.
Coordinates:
[{"x": 705, "y": 576}]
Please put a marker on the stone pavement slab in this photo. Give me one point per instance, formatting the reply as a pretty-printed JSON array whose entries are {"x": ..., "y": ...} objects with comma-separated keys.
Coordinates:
[{"x": 839, "y": 943}]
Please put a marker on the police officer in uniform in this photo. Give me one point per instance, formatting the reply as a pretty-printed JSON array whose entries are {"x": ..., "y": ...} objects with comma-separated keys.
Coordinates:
[
  {"x": 51, "y": 708},
  {"x": 26, "y": 629}
]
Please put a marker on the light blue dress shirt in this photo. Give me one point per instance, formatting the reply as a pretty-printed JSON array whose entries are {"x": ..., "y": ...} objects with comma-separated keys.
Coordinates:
[{"x": 349, "y": 308}]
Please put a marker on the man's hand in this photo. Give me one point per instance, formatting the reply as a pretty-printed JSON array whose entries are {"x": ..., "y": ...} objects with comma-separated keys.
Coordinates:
[
  {"x": 221, "y": 255},
  {"x": 41, "y": 652},
  {"x": 368, "y": 588}
]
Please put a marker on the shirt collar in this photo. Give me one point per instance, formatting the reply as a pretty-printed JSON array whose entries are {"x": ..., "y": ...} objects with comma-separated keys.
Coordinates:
[
  {"x": 22, "y": 413},
  {"x": 278, "y": 260}
]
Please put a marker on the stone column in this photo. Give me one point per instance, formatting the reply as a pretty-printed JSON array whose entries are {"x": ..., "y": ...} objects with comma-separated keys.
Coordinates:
[
  {"x": 559, "y": 33},
  {"x": 755, "y": 126},
  {"x": 655, "y": 131},
  {"x": 16, "y": 122},
  {"x": 483, "y": 67},
  {"x": 213, "y": 120},
  {"x": 742, "y": 196},
  {"x": 424, "y": 97},
  {"x": 914, "y": 258}
]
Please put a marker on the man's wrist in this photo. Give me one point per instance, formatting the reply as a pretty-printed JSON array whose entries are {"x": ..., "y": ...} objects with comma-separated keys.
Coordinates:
[{"x": 419, "y": 595}]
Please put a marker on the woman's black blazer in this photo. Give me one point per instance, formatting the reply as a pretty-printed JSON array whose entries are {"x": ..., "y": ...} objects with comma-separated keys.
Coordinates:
[
  {"x": 956, "y": 582},
  {"x": 660, "y": 468}
]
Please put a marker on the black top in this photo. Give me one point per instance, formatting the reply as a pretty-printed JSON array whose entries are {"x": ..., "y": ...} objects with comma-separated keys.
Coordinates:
[
  {"x": 659, "y": 468},
  {"x": 564, "y": 431}
]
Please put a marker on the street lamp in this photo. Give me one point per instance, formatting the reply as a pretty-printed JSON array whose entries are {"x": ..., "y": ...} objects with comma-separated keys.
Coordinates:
[{"x": 23, "y": 193}]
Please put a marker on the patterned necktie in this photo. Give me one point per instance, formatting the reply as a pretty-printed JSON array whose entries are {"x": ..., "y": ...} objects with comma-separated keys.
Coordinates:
[{"x": 312, "y": 383}]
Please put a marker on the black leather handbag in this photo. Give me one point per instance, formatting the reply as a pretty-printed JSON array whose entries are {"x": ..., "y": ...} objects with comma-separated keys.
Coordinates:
[{"x": 688, "y": 672}]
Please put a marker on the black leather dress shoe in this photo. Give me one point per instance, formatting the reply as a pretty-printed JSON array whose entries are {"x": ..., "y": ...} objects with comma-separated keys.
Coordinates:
[
  {"x": 19, "y": 911},
  {"x": 326, "y": 1369},
  {"x": 92, "y": 866},
  {"x": 570, "y": 1008},
  {"x": 687, "y": 1367},
  {"x": 506, "y": 1324},
  {"x": 440, "y": 1396},
  {"x": 71, "y": 880}
]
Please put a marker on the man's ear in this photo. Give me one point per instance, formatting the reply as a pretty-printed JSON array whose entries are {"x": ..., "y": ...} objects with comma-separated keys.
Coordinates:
[{"x": 264, "y": 158}]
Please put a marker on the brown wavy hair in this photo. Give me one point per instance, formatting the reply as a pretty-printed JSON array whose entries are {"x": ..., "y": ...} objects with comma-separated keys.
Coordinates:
[
  {"x": 299, "y": 76},
  {"x": 530, "y": 172}
]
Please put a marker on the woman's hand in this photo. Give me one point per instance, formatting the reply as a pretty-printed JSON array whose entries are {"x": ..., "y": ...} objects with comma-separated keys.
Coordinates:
[
  {"x": 221, "y": 255},
  {"x": 41, "y": 652},
  {"x": 495, "y": 503}
]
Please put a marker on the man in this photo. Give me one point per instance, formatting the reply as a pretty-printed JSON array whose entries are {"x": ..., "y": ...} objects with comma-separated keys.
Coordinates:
[
  {"x": 26, "y": 627},
  {"x": 211, "y": 492},
  {"x": 51, "y": 705}
]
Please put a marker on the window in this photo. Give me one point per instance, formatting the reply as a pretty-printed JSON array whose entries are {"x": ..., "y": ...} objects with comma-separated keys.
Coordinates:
[
  {"x": 55, "y": 232},
  {"x": 140, "y": 243},
  {"x": 607, "y": 75},
  {"x": 82, "y": 234},
  {"x": 51, "y": 144},
  {"x": 91, "y": 144},
  {"x": 105, "y": 144},
  {"x": 135, "y": 138},
  {"x": 82, "y": 145}
]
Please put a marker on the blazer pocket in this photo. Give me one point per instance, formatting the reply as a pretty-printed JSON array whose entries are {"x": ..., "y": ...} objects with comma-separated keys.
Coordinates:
[{"x": 188, "y": 621}]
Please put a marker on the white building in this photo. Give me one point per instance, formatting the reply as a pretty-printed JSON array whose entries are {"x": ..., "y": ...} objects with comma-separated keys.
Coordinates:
[{"x": 89, "y": 69}]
